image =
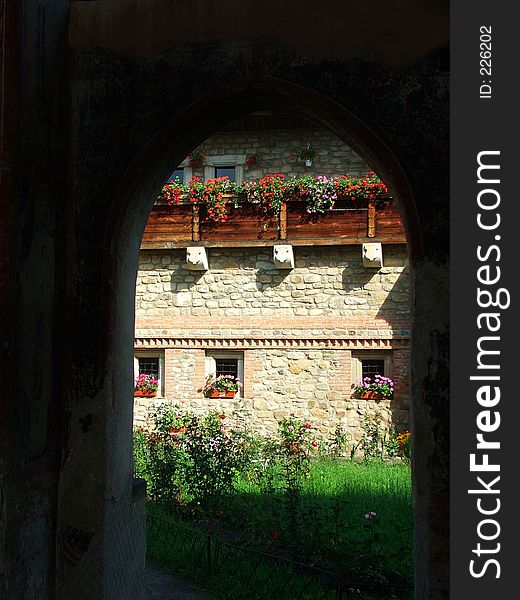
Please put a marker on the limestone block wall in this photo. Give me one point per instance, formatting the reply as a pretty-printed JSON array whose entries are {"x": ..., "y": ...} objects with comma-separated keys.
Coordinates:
[
  {"x": 312, "y": 384},
  {"x": 244, "y": 282},
  {"x": 299, "y": 333},
  {"x": 278, "y": 150}
]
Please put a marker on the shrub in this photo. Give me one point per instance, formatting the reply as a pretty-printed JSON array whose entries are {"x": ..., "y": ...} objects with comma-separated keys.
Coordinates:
[
  {"x": 187, "y": 460},
  {"x": 214, "y": 461},
  {"x": 296, "y": 448},
  {"x": 336, "y": 444}
]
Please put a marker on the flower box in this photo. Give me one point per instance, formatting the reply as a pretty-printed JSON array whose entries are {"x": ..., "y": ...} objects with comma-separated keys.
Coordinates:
[
  {"x": 221, "y": 394},
  {"x": 145, "y": 393},
  {"x": 372, "y": 395},
  {"x": 349, "y": 222},
  {"x": 377, "y": 388},
  {"x": 223, "y": 386},
  {"x": 146, "y": 386},
  {"x": 178, "y": 430}
]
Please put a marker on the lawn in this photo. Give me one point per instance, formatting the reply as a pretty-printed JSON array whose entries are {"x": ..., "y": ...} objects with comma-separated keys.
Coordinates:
[
  {"x": 284, "y": 516},
  {"x": 352, "y": 519}
]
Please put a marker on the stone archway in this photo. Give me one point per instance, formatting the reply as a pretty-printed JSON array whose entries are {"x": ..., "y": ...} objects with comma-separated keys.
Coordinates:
[
  {"x": 99, "y": 81},
  {"x": 128, "y": 217}
]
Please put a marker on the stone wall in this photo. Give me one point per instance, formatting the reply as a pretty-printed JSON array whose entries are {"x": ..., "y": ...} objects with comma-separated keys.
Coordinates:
[
  {"x": 277, "y": 152},
  {"x": 311, "y": 384},
  {"x": 299, "y": 332},
  {"x": 243, "y": 282}
]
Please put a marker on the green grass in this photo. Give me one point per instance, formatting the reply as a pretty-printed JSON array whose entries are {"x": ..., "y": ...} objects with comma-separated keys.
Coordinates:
[{"x": 324, "y": 525}]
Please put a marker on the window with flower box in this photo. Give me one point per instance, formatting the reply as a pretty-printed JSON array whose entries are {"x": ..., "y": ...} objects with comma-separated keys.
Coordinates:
[
  {"x": 152, "y": 364},
  {"x": 369, "y": 364},
  {"x": 226, "y": 363}
]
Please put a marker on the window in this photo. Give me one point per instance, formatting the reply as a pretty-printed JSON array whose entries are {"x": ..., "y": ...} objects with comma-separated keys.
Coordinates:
[
  {"x": 150, "y": 364},
  {"x": 182, "y": 173},
  {"x": 368, "y": 364},
  {"x": 229, "y": 172},
  {"x": 177, "y": 175},
  {"x": 227, "y": 165},
  {"x": 226, "y": 363},
  {"x": 371, "y": 367},
  {"x": 226, "y": 366}
]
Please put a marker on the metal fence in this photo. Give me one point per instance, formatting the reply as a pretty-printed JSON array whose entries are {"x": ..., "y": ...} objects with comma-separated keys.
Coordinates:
[{"x": 277, "y": 577}]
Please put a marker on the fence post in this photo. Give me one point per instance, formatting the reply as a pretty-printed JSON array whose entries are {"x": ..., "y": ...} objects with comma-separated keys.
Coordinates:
[
  {"x": 339, "y": 590},
  {"x": 208, "y": 539}
]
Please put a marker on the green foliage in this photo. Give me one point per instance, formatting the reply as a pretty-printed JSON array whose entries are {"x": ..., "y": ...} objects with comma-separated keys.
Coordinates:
[
  {"x": 336, "y": 444},
  {"x": 371, "y": 442},
  {"x": 260, "y": 462},
  {"x": 332, "y": 530},
  {"x": 214, "y": 461},
  {"x": 378, "y": 442},
  {"x": 270, "y": 192},
  {"x": 187, "y": 460},
  {"x": 276, "y": 495}
]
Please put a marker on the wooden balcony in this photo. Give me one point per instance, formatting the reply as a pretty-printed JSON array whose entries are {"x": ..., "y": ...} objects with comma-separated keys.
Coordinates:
[{"x": 349, "y": 222}]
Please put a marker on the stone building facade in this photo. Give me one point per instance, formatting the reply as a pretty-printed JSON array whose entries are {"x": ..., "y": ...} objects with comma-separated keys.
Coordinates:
[
  {"x": 298, "y": 338},
  {"x": 275, "y": 141}
]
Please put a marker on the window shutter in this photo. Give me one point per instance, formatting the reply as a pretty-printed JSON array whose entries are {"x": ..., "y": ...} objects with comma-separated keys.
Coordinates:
[
  {"x": 210, "y": 366},
  {"x": 136, "y": 368}
]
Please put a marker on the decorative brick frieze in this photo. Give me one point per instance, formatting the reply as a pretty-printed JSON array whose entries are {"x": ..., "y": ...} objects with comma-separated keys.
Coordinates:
[{"x": 242, "y": 343}]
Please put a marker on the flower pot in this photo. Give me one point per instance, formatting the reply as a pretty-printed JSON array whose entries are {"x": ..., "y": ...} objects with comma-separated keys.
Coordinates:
[
  {"x": 372, "y": 395},
  {"x": 178, "y": 430},
  {"x": 221, "y": 394},
  {"x": 195, "y": 163},
  {"x": 308, "y": 162},
  {"x": 144, "y": 393}
]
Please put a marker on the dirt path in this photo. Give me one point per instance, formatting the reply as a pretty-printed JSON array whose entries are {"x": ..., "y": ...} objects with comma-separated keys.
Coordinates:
[{"x": 161, "y": 585}]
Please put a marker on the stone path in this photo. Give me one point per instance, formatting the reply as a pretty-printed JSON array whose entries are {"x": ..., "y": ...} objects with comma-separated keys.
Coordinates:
[{"x": 161, "y": 585}]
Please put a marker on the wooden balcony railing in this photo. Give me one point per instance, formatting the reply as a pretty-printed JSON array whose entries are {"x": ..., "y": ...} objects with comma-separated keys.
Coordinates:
[{"x": 349, "y": 222}]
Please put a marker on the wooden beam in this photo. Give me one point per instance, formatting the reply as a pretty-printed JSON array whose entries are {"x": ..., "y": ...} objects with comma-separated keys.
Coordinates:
[
  {"x": 195, "y": 223},
  {"x": 371, "y": 220},
  {"x": 331, "y": 241},
  {"x": 283, "y": 221}
]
